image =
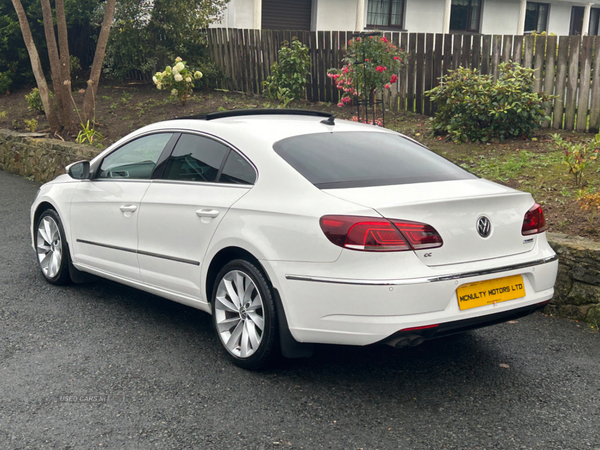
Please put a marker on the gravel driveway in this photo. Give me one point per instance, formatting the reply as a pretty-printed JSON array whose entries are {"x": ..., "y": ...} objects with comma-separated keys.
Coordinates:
[{"x": 104, "y": 366}]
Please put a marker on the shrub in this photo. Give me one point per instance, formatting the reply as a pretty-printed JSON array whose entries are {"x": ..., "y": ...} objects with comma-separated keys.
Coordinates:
[
  {"x": 5, "y": 81},
  {"x": 34, "y": 101},
  {"x": 177, "y": 79},
  {"x": 590, "y": 202},
  {"x": 31, "y": 125},
  {"x": 371, "y": 64},
  {"x": 290, "y": 74},
  {"x": 578, "y": 156},
  {"x": 474, "y": 107}
]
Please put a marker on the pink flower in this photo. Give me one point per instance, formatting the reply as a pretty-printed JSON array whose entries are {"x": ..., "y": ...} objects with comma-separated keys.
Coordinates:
[
  {"x": 394, "y": 78},
  {"x": 387, "y": 86},
  {"x": 357, "y": 39},
  {"x": 340, "y": 104},
  {"x": 380, "y": 69},
  {"x": 397, "y": 58},
  {"x": 346, "y": 100},
  {"x": 383, "y": 39}
]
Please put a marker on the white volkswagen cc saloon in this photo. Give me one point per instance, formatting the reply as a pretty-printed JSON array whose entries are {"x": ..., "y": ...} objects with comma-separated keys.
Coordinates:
[{"x": 294, "y": 228}]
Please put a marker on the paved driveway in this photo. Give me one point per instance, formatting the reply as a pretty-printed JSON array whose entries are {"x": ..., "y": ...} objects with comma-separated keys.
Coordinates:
[{"x": 105, "y": 366}]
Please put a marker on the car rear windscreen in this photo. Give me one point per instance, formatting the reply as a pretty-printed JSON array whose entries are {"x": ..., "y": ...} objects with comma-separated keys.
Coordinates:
[{"x": 359, "y": 159}]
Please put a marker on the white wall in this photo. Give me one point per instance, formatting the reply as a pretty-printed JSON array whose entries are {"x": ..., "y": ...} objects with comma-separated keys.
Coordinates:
[
  {"x": 424, "y": 16},
  {"x": 500, "y": 16},
  {"x": 335, "y": 15},
  {"x": 559, "y": 20},
  {"x": 421, "y": 16},
  {"x": 238, "y": 14}
]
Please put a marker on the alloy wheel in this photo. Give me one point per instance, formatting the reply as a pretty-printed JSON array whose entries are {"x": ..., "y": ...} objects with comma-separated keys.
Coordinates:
[
  {"x": 239, "y": 314},
  {"x": 49, "y": 247}
]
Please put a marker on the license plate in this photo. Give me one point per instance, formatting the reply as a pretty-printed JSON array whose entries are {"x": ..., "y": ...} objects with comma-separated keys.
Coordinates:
[{"x": 490, "y": 292}]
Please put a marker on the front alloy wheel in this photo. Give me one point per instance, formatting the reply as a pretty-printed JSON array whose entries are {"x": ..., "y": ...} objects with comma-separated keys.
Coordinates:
[
  {"x": 244, "y": 314},
  {"x": 51, "y": 248}
]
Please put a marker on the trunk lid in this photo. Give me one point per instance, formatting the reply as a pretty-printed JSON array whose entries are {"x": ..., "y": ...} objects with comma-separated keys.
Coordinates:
[{"x": 453, "y": 208}]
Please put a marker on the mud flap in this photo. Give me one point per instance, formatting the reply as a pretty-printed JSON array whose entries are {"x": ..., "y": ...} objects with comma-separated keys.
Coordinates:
[{"x": 290, "y": 347}]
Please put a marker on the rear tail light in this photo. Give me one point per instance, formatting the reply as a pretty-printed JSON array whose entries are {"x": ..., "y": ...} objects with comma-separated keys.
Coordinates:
[
  {"x": 379, "y": 235},
  {"x": 534, "y": 221}
]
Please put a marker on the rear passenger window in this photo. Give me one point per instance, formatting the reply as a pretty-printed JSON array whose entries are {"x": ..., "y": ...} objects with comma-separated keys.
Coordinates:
[
  {"x": 237, "y": 170},
  {"x": 195, "y": 158}
]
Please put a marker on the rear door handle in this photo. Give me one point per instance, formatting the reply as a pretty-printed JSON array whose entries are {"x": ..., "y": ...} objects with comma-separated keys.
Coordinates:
[
  {"x": 207, "y": 213},
  {"x": 128, "y": 208}
]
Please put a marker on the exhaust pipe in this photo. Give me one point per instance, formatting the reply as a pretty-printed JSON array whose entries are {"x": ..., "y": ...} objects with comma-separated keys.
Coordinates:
[{"x": 411, "y": 340}]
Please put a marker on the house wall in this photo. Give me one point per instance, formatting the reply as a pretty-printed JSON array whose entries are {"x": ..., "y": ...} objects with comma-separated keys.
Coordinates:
[
  {"x": 335, "y": 15},
  {"x": 421, "y": 16},
  {"x": 424, "y": 16},
  {"x": 500, "y": 16},
  {"x": 239, "y": 14},
  {"x": 559, "y": 21}
]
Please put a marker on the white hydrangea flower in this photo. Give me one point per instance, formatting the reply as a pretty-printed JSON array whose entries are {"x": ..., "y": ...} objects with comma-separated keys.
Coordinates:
[
  {"x": 178, "y": 77},
  {"x": 174, "y": 92},
  {"x": 178, "y": 59},
  {"x": 159, "y": 86},
  {"x": 167, "y": 69},
  {"x": 179, "y": 66},
  {"x": 154, "y": 79},
  {"x": 188, "y": 79},
  {"x": 197, "y": 75}
]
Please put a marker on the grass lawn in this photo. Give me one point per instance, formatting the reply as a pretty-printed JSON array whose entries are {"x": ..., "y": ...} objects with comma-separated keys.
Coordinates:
[{"x": 535, "y": 166}]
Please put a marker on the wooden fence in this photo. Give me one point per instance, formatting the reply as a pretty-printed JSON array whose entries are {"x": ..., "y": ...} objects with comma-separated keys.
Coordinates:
[{"x": 566, "y": 66}]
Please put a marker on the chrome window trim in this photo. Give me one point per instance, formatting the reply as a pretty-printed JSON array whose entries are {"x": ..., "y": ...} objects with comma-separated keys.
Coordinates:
[
  {"x": 175, "y": 130},
  {"x": 202, "y": 183},
  {"x": 456, "y": 276},
  {"x": 224, "y": 142}
]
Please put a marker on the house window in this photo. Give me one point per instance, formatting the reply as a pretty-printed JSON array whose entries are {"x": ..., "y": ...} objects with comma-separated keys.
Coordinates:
[
  {"x": 286, "y": 15},
  {"x": 536, "y": 17},
  {"x": 576, "y": 20},
  {"x": 465, "y": 16},
  {"x": 577, "y": 13},
  {"x": 594, "y": 22},
  {"x": 385, "y": 14}
]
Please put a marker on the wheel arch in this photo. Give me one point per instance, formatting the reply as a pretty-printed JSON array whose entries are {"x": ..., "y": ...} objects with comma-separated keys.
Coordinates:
[
  {"x": 221, "y": 258},
  {"x": 290, "y": 348}
]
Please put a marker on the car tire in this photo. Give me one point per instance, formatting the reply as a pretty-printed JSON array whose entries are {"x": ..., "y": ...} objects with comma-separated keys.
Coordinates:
[
  {"x": 52, "y": 248},
  {"x": 246, "y": 327}
]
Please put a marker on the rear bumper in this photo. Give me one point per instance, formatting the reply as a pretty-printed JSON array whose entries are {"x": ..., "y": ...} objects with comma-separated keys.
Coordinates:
[
  {"x": 460, "y": 326},
  {"x": 333, "y": 310}
]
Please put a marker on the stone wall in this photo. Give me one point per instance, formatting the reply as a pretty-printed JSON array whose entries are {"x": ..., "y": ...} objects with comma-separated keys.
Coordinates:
[
  {"x": 40, "y": 159},
  {"x": 577, "y": 290},
  {"x": 577, "y": 287}
]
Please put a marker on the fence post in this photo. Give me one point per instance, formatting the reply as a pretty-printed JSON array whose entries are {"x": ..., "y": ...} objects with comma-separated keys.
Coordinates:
[
  {"x": 550, "y": 71},
  {"x": 571, "y": 102},
  {"x": 584, "y": 83},
  {"x": 561, "y": 76},
  {"x": 595, "y": 109}
]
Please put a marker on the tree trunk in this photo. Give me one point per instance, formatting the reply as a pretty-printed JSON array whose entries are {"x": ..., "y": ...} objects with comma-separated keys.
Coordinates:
[
  {"x": 36, "y": 66},
  {"x": 65, "y": 61},
  {"x": 90, "y": 93},
  {"x": 62, "y": 92}
]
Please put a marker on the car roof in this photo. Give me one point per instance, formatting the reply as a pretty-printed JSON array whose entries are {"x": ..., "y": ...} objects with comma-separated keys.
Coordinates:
[
  {"x": 252, "y": 134},
  {"x": 264, "y": 129}
]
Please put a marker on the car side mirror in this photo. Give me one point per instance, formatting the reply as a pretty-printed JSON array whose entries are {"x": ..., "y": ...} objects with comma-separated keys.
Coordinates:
[{"x": 79, "y": 170}]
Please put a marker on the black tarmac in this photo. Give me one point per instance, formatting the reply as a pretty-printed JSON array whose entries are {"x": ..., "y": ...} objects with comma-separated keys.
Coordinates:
[{"x": 105, "y": 366}]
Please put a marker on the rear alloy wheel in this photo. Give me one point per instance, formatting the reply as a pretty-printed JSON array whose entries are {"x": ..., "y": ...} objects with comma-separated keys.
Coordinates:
[
  {"x": 51, "y": 248},
  {"x": 244, "y": 314}
]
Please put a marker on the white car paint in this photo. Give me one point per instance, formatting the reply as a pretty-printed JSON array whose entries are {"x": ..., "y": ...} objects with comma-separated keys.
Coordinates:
[{"x": 329, "y": 294}]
